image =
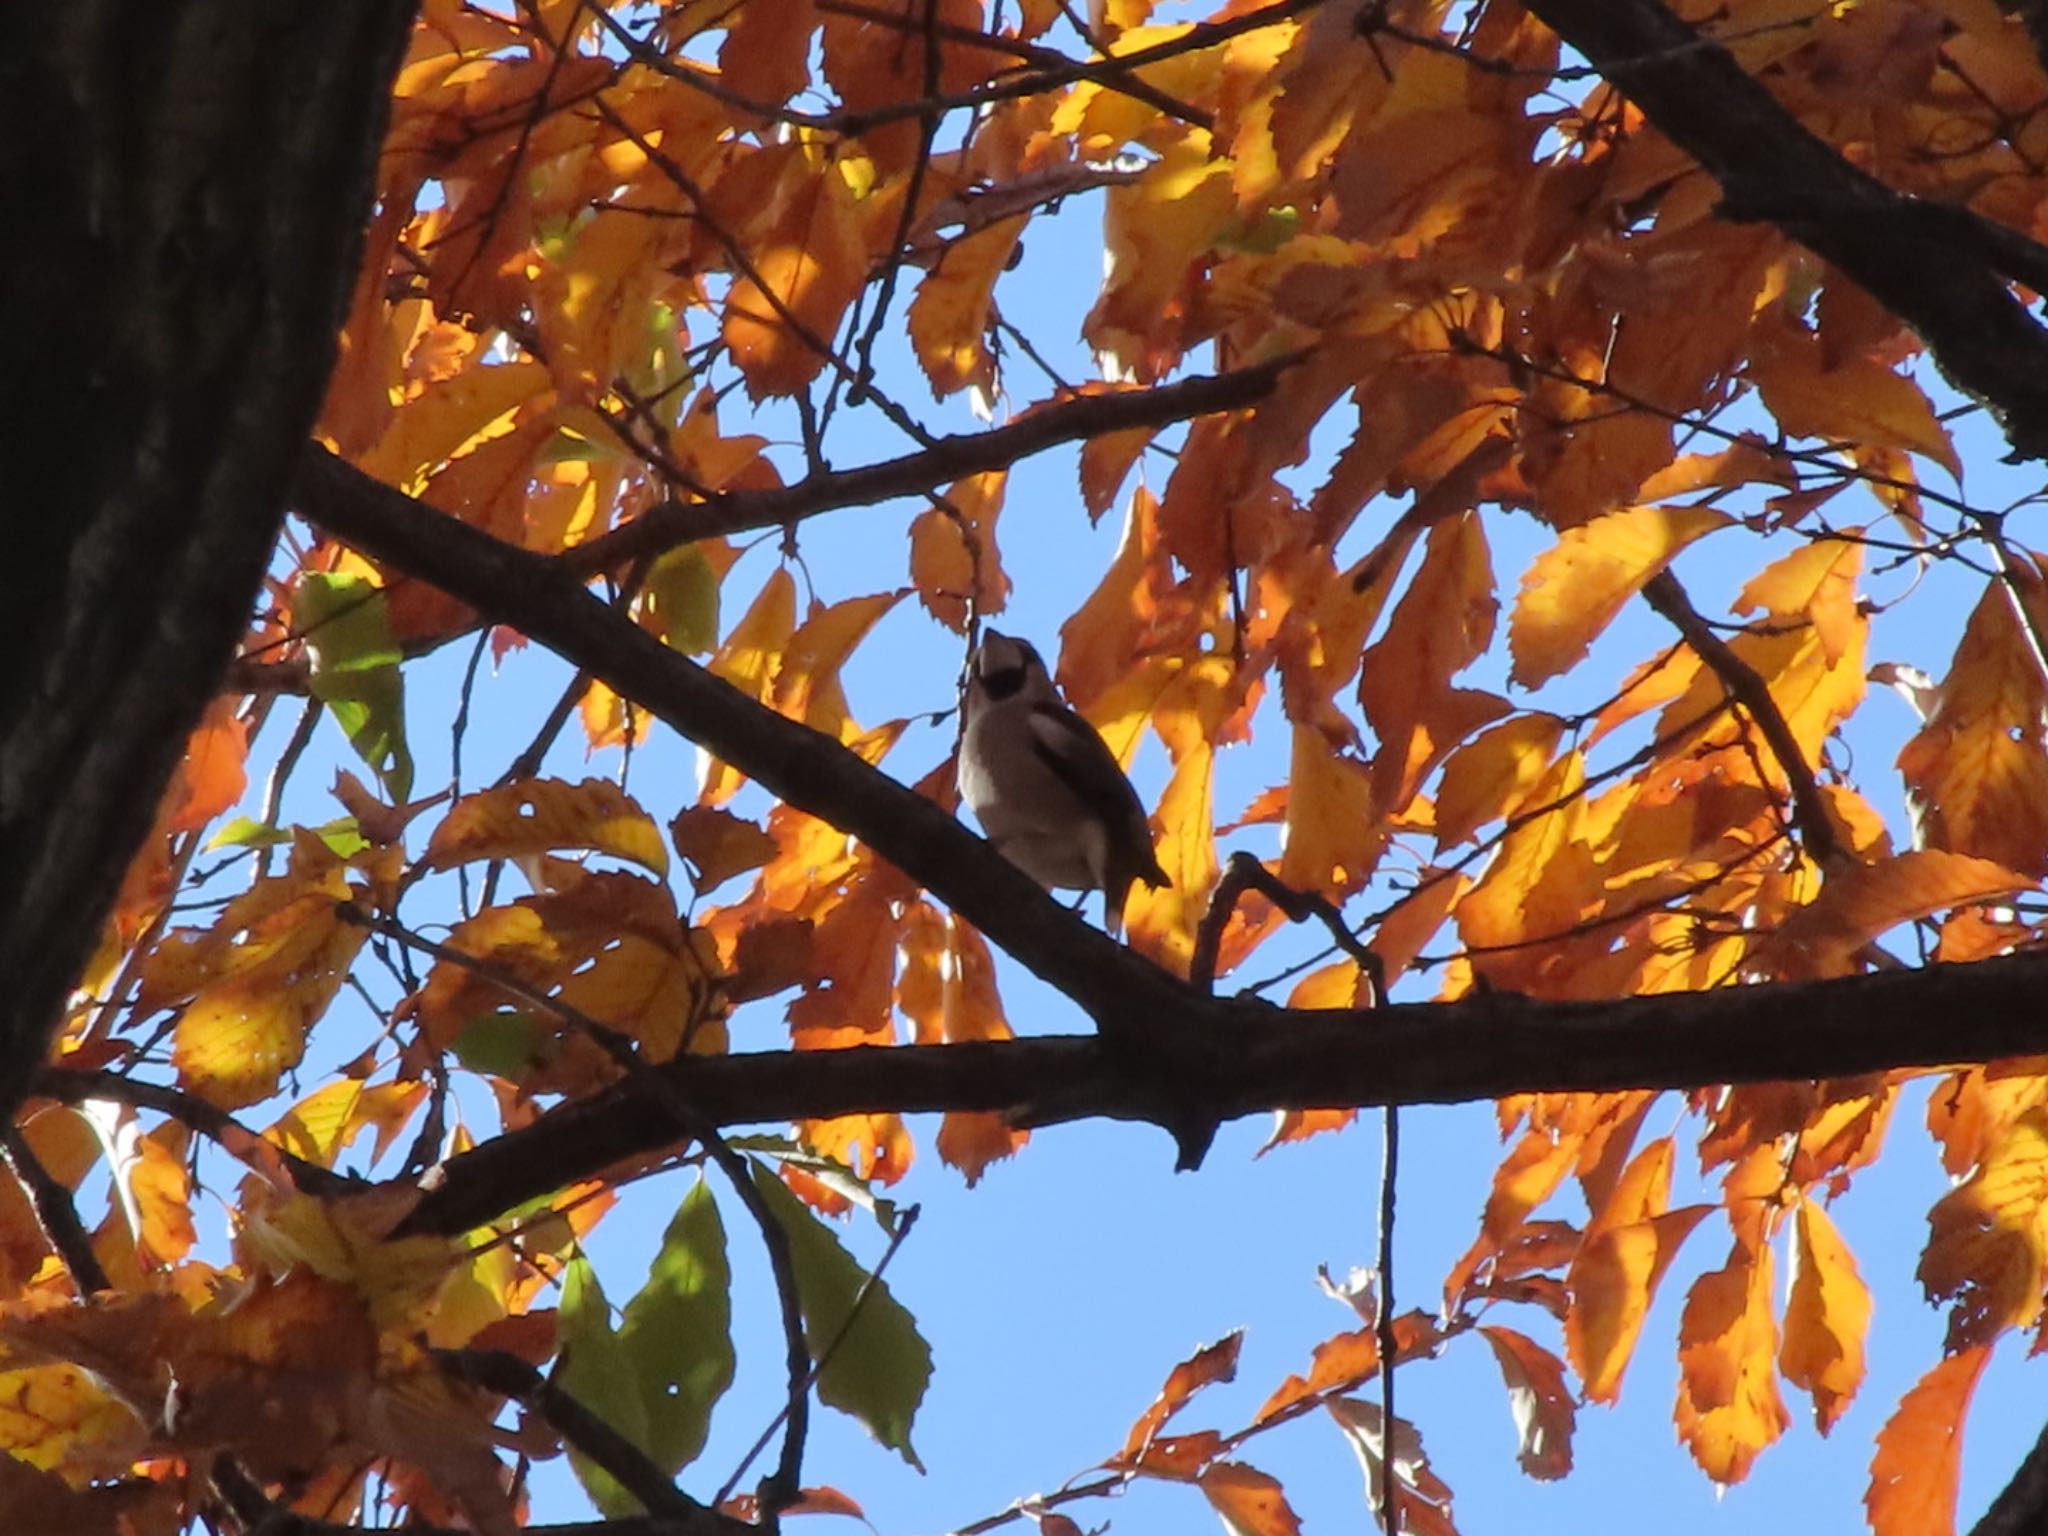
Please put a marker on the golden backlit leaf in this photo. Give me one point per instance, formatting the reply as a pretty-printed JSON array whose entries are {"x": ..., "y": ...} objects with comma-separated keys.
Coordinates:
[
  {"x": 1492, "y": 773},
  {"x": 516, "y": 821},
  {"x": 949, "y": 316},
  {"x": 1978, "y": 769},
  {"x": 1729, "y": 1408},
  {"x": 1987, "y": 1239},
  {"x": 1574, "y": 590},
  {"x": 1857, "y": 398},
  {"x": 1918, "y": 1465},
  {"x": 1827, "y": 1315},
  {"x": 1864, "y": 902},
  {"x": 1816, "y": 581}
]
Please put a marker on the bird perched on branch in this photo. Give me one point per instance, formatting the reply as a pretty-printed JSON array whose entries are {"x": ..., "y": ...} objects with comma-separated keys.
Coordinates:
[{"x": 1044, "y": 786}]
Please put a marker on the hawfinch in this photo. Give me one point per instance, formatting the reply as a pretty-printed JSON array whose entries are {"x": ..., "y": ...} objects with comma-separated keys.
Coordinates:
[{"x": 1044, "y": 786}]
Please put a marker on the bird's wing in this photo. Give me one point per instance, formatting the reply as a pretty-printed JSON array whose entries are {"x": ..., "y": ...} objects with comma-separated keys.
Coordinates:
[{"x": 1081, "y": 759}]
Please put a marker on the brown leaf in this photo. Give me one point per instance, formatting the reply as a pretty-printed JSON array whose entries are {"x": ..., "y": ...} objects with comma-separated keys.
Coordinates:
[{"x": 1216, "y": 1362}]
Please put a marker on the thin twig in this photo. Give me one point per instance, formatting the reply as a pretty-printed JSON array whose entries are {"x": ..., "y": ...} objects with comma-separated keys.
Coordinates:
[
  {"x": 56, "y": 1213},
  {"x": 1744, "y": 684},
  {"x": 1383, "y": 1325},
  {"x": 1242, "y": 873}
]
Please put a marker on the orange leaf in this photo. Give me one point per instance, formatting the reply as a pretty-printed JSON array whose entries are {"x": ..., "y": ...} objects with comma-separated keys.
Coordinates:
[
  {"x": 1857, "y": 398},
  {"x": 806, "y": 683},
  {"x": 1861, "y": 904},
  {"x": 1728, "y": 1403},
  {"x": 812, "y": 258},
  {"x": 766, "y": 55},
  {"x": 954, "y": 562},
  {"x": 1976, "y": 774},
  {"x": 1827, "y": 1316},
  {"x": 971, "y": 1009},
  {"x": 1250, "y": 1502},
  {"x": 533, "y": 816},
  {"x": 1539, "y": 1399},
  {"x": 1575, "y": 589},
  {"x": 716, "y": 845},
  {"x": 1987, "y": 1238},
  {"x": 211, "y": 778},
  {"x": 1913, "y": 1476},
  {"x": 1614, "y": 1276},
  {"x": 1213, "y": 1363}
]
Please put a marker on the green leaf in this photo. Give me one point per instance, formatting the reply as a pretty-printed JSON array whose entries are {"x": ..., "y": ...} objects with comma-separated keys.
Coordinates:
[
  {"x": 681, "y": 598},
  {"x": 341, "y": 835},
  {"x": 597, "y": 1371},
  {"x": 828, "y": 1171},
  {"x": 879, "y": 1370},
  {"x": 678, "y": 1333},
  {"x": 354, "y": 670},
  {"x": 509, "y": 1044}
]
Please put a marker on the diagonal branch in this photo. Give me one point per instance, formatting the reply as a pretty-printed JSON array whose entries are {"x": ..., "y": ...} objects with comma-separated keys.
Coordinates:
[
  {"x": 812, "y": 772},
  {"x": 1740, "y": 679},
  {"x": 1229, "y": 1059},
  {"x": 1954, "y": 295},
  {"x": 948, "y": 458}
]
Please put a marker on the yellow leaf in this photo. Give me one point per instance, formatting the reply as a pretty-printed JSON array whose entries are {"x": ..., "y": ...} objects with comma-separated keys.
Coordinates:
[
  {"x": 1827, "y": 1316},
  {"x": 1816, "y": 581},
  {"x": 1490, "y": 775},
  {"x": 450, "y": 416},
  {"x": 748, "y": 660},
  {"x": 1988, "y": 1238},
  {"x": 593, "y": 300},
  {"x": 1914, "y": 1475},
  {"x": 1977, "y": 773},
  {"x": 1575, "y": 589},
  {"x": 1334, "y": 834},
  {"x": 534, "y": 816},
  {"x": 1857, "y": 398},
  {"x": 806, "y": 684},
  {"x": 1729, "y": 1408},
  {"x": 1162, "y": 922},
  {"x": 950, "y": 315}
]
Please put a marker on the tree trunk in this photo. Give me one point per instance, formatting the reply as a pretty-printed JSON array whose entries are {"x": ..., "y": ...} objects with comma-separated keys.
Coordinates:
[{"x": 190, "y": 179}]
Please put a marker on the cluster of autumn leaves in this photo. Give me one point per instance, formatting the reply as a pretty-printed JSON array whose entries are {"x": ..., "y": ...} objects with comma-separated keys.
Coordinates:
[{"x": 1506, "y": 290}]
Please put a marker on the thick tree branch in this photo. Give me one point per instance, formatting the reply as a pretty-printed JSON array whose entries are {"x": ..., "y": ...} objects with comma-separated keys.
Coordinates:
[
  {"x": 200, "y": 171},
  {"x": 2021, "y": 1508},
  {"x": 1227, "y": 1058},
  {"x": 1952, "y": 292}
]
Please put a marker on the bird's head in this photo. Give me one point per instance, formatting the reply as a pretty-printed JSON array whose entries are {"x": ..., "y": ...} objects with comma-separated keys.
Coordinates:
[{"x": 1005, "y": 666}]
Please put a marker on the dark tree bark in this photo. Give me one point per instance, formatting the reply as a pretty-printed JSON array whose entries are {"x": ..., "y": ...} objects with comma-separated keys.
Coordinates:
[{"x": 190, "y": 179}]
